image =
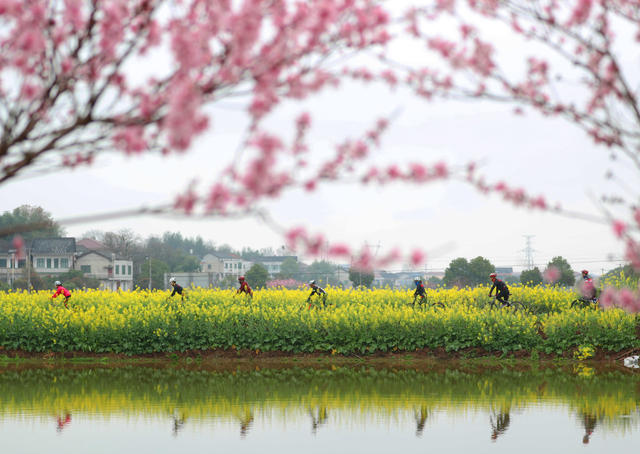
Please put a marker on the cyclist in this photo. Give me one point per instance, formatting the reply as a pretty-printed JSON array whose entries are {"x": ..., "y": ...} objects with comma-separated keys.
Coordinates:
[
  {"x": 420, "y": 291},
  {"x": 61, "y": 291},
  {"x": 244, "y": 287},
  {"x": 315, "y": 290},
  {"x": 587, "y": 288},
  {"x": 177, "y": 289},
  {"x": 502, "y": 291}
]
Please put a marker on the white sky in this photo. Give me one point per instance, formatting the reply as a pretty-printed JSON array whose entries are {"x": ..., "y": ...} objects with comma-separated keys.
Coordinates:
[{"x": 545, "y": 156}]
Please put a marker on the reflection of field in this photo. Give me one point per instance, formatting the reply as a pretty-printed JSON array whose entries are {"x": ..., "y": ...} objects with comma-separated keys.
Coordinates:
[{"x": 607, "y": 399}]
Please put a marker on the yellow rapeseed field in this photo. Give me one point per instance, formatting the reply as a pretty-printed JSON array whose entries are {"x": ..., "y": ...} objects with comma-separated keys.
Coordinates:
[{"x": 279, "y": 320}]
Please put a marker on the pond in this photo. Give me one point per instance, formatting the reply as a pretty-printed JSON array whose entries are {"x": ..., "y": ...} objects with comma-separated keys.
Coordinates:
[{"x": 327, "y": 408}]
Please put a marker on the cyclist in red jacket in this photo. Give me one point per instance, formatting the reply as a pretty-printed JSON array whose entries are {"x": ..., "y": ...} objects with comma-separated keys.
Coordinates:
[
  {"x": 62, "y": 291},
  {"x": 244, "y": 287}
]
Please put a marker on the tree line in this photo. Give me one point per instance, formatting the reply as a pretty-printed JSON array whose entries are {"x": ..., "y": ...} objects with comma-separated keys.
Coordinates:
[{"x": 173, "y": 252}]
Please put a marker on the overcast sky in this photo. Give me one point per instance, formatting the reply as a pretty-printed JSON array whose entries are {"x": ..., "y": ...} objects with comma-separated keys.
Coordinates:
[{"x": 450, "y": 219}]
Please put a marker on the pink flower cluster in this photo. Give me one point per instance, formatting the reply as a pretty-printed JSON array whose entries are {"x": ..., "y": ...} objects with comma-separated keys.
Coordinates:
[
  {"x": 416, "y": 173},
  {"x": 298, "y": 239},
  {"x": 625, "y": 298},
  {"x": 272, "y": 50},
  {"x": 515, "y": 196},
  {"x": 284, "y": 283}
]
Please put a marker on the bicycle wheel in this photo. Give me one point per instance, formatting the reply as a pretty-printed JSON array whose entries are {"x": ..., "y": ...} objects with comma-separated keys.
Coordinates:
[
  {"x": 518, "y": 306},
  {"x": 577, "y": 304},
  {"x": 437, "y": 305}
]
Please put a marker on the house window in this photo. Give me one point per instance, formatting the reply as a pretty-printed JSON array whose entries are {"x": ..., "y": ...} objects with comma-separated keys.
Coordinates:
[
  {"x": 3, "y": 263},
  {"x": 48, "y": 263},
  {"x": 85, "y": 269},
  {"x": 129, "y": 270},
  {"x": 117, "y": 269},
  {"x": 39, "y": 263},
  {"x": 22, "y": 263},
  {"x": 56, "y": 262},
  {"x": 64, "y": 263},
  {"x": 226, "y": 266}
]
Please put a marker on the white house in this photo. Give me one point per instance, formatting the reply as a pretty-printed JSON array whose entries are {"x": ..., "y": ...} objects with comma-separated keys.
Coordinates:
[
  {"x": 112, "y": 271},
  {"x": 273, "y": 263},
  {"x": 51, "y": 256},
  {"x": 224, "y": 264}
]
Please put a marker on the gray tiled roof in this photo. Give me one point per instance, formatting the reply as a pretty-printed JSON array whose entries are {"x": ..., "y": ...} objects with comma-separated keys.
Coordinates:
[
  {"x": 275, "y": 258},
  {"x": 53, "y": 246}
]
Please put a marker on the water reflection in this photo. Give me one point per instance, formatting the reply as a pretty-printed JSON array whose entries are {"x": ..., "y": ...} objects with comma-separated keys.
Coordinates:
[
  {"x": 499, "y": 423},
  {"x": 245, "y": 423},
  {"x": 178, "y": 423},
  {"x": 62, "y": 422},
  {"x": 418, "y": 404},
  {"x": 589, "y": 423},
  {"x": 421, "y": 416},
  {"x": 318, "y": 418}
]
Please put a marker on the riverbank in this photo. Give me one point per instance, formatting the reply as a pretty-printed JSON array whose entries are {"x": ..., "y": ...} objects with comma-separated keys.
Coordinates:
[{"x": 427, "y": 357}]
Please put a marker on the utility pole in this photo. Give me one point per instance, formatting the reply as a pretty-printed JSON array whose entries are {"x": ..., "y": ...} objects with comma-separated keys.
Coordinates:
[
  {"x": 528, "y": 252},
  {"x": 13, "y": 264},
  {"x": 28, "y": 271},
  {"x": 149, "y": 259}
]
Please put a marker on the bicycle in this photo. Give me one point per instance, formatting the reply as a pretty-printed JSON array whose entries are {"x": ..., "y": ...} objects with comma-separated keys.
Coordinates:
[
  {"x": 315, "y": 302},
  {"x": 517, "y": 306},
  {"x": 584, "y": 303},
  {"x": 423, "y": 302}
]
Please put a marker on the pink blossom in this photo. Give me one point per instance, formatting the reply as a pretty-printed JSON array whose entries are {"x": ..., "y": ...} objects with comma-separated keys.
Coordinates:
[
  {"x": 294, "y": 235},
  {"x": 364, "y": 262},
  {"x": 608, "y": 298},
  {"x": 315, "y": 244},
  {"x": 580, "y": 13},
  {"x": 30, "y": 91},
  {"x": 18, "y": 244},
  {"x": 285, "y": 283},
  {"x": 626, "y": 300},
  {"x": 219, "y": 198},
  {"x": 392, "y": 256},
  {"x": 303, "y": 121},
  {"x": 444, "y": 47},
  {"x": 619, "y": 228},
  {"x": 184, "y": 120},
  {"x": 539, "y": 202},
  {"x": 417, "y": 257},
  {"x": 186, "y": 202},
  {"x": 130, "y": 139},
  {"x": 446, "y": 5},
  {"x": 552, "y": 274},
  {"x": 339, "y": 250},
  {"x": 441, "y": 170}
]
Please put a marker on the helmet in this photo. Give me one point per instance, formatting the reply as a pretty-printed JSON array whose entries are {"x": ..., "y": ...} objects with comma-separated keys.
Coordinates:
[
  {"x": 173, "y": 279},
  {"x": 312, "y": 282},
  {"x": 585, "y": 272},
  {"x": 241, "y": 278},
  {"x": 416, "y": 279},
  {"x": 492, "y": 275},
  {"x": 57, "y": 283}
]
